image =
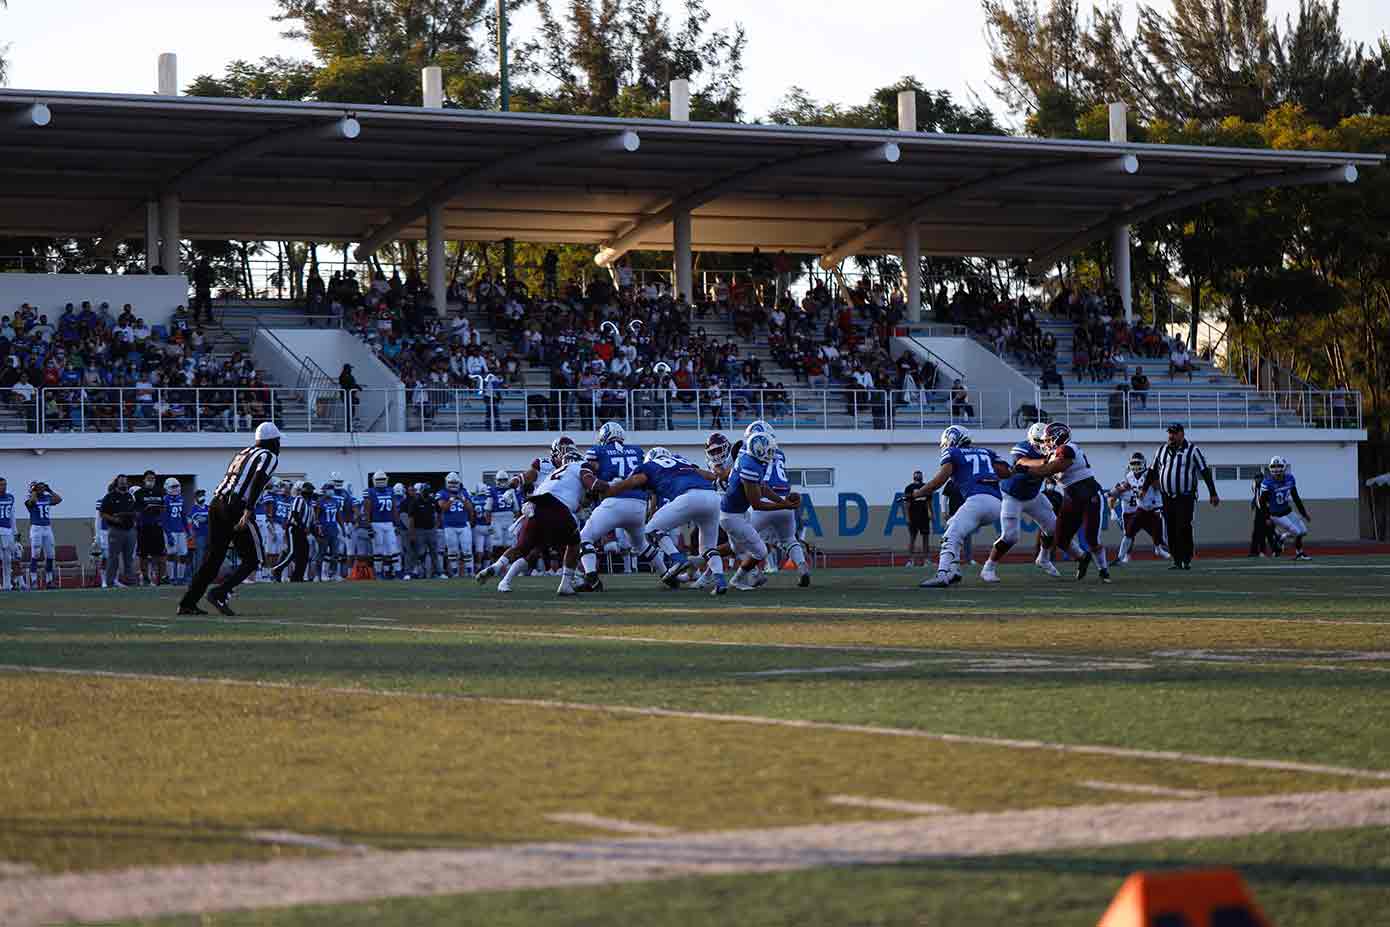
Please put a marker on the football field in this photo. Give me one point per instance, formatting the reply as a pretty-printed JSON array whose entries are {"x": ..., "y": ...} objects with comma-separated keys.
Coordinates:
[{"x": 859, "y": 752}]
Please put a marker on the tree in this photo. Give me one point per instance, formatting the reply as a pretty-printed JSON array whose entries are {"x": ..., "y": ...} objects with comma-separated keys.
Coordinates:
[
  {"x": 270, "y": 79},
  {"x": 936, "y": 111}
]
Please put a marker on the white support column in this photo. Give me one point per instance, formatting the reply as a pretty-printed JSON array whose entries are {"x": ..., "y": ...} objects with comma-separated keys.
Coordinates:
[
  {"x": 169, "y": 230},
  {"x": 907, "y": 110},
  {"x": 912, "y": 269},
  {"x": 168, "y": 75},
  {"x": 1119, "y": 236},
  {"x": 432, "y": 86},
  {"x": 681, "y": 257},
  {"x": 434, "y": 257},
  {"x": 151, "y": 234}
]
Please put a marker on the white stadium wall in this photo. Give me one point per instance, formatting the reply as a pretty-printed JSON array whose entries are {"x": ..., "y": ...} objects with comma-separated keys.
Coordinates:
[
  {"x": 860, "y": 508},
  {"x": 153, "y": 297}
]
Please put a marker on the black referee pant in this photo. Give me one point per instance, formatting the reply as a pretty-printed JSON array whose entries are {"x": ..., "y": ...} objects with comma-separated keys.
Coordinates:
[
  {"x": 296, "y": 555},
  {"x": 223, "y": 517},
  {"x": 1178, "y": 512}
]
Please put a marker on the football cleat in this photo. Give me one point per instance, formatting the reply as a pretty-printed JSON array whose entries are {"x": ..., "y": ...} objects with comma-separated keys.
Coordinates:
[
  {"x": 1082, "y": 566},
  {"x": 1105, "y": 576},
  {"x": 219, "y": 602},
  {"x": 590, "y": 584},
  {"x": 805, "y": 581},
  {"x": 742, "y": 585},
  {"x": 1302, "y": 556},
  {"x": 1047, "y": 566},
  {"x": 988, "y": 573},
  {"x": 721, "y": 585},
  {"x": 939, "y": 581},
  {"x": 190, "y": 610}
]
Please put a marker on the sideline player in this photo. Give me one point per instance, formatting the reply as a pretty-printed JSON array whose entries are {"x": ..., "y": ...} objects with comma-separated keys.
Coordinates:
[
  {"x": 1067, "y": 464},
  {"x": 9, "y": 550},
  {"x": 456, "y": 511},
  {"x": 550, "y": 521},
  {"x": 1140, "y": 509},
  {"x": 40, "y": 503},
  {"x": 976, "y": 471},
  {"x": 1022, "y": 495},
  {"x": 383, "y": 518},
  {"x": 175, "y": 524},
  {"x": 612, "y": 460},
  {"x": 1279, "y": 494},
  {"x": 149, "y": 541},
  {"x": 332, "y": 531}
]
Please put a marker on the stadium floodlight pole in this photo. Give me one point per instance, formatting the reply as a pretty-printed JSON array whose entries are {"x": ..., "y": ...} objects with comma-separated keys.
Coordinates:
[
  {"x": 504, "y": 101},
  {"x": 34, "y": 116}
]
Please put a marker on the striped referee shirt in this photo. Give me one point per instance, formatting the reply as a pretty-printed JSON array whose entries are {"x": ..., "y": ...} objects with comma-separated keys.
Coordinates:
[
  {"x": 1179, "y": 468},
  {"x": 299, "y": 512},
  {"x": 248, "y": 475}
]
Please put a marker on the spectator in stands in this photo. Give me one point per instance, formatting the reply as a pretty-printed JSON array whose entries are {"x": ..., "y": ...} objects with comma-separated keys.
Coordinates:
[
  {"x": 1179, "y": 360},
  {"x": 1050, "y": 378},
  {"x": 1139, "y": 387},
  {"x": 960, "y": 404},
  {"x": 348, "y": 384}
]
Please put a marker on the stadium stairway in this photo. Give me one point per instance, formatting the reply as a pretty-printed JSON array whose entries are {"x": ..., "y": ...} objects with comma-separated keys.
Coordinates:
[{"x": 1210, "y": 399}]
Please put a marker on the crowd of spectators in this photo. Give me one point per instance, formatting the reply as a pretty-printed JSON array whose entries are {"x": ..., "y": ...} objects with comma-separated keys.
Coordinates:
[{"x": 95, "y": 370}]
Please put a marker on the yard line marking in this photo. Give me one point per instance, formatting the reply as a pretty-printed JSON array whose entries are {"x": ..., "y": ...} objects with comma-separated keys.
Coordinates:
[
  {"x": 889, "y": 804},
  {"x": 374, "y": 618},
  {"x": 878, "y": 667},
  {"x": 149, "y": 624},
  {"x": 153, "y": 891},
  {"x": 614, "y": 824},
  {"x": 1138, "y": 789},
  {"x": 34, "y": 628},
  {"x": 1176, "y": 756},
  {"x": 291, "y": 839},
  {"x": 9, "y": 870}
]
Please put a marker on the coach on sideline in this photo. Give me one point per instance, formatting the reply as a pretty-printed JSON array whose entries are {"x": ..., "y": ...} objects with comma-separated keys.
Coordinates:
[
  {"x": 1175, "y": 469},
  {"x": 232, "y": 520}
]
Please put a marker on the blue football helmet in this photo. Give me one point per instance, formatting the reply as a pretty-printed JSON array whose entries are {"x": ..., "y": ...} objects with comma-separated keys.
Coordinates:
[
  {"x": 761, "y": 446},
  {"x": 611, "y": 433},
  {"x": 955, "y": 436}
]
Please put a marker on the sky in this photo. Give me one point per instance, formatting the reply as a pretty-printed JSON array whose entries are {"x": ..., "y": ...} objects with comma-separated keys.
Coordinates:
[{"x": 95, "y": 45}]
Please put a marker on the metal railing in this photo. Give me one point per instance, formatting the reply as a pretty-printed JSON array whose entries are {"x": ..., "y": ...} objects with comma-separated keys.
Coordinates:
[{"x": 496, "y": 407}]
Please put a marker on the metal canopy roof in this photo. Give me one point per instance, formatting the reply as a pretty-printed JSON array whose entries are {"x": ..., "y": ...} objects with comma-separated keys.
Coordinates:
[{"x": 262, "y": 169}]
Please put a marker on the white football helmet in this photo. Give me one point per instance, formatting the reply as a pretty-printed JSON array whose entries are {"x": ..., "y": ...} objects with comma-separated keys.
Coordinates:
[
  {"x": 761, "y": 446},
  {"x": 955, "y": 436},
  {"x": 173, "y": 487},
  {"x": 1037, "y": 434},
  {"x": 380, "y": 479},
  {"x": 611, "y": 433},
  {"x": 398, "y": 489},
  {"x": 1278, "y": 466},
  {"x": 335, "y": 479},
  {"x": 654, "y": 453},
  {"x": 758, "y": 427},
  {"x": 501, "y": 479},
  {"x": 453, "y": 482}
]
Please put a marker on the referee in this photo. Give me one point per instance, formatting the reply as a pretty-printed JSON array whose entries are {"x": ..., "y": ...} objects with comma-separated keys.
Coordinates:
[
  {"x": 232, "y": 521},
  {"x": 301, "y": 519},
  {"x": 1175, "y": 469}
]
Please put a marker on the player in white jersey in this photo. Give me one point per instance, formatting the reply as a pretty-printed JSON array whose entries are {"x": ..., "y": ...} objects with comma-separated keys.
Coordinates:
[
  {"x": 1140, "y": 509},
  {"x": 1021, "y": 494},
  {"x": 549, "y": 520},
  {"x": 1067, "y": 464}
]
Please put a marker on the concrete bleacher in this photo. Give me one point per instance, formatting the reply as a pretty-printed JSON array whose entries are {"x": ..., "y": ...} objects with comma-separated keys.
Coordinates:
[{"x": 1211, "y": 398}]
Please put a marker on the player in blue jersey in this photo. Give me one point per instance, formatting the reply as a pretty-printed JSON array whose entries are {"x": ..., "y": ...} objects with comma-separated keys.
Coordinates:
[
  {"x": 175, "y": 523},
  {"x": 976, "y": 471},
  {"x": 280, "y": 501},
  {"x": 382, "y": 512},
  {"x": 1080, "y": 515},
  {"x": 1022, "y": 495},
  {"x": 330, "y": 533},
  {"x": 1279, "y": 494},
  {"x": 748, "y": 491},
  {"x": 689, "y": 499},
  {"x": 612, "y": 461},
  {"x": 198, "y": 528},
  {"x": 504, "y": 504},
  {"x": 778, "y": 528},
  {"x": 9, "y": 548},
  {"x": 40, "y": 503},
  {"x": 457, "y": 514}
]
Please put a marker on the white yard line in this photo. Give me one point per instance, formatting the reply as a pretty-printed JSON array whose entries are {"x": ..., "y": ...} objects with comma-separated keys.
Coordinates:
[
  {"x": 1138, "y": 789},
  {"x": 889, "y": 804},
  {"x": 292, "y": 839},
  {"x": 151, "y": 892},
  {"x": 616, "y": 825},
  {"x": 877, "y": 667},
  {"x": 1175, "y": 756}
]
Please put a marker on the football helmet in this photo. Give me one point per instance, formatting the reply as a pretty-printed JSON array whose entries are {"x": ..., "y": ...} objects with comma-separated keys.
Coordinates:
[
  {"x": 1137, "y": 464},
  {"x": 557, "y": 448},
  {"x": 380, "y": 479},
  {"x": 336, "y": 479},
  {"x": 501, "y": 479},
  {"x": 453, "y": 482},
  {"x": 717, "y": 449},
  {"x": 758, "y": 427},
  {"x": 1278, "y": 466},
  {"x": 1037, "y": 433},
  {"x": 761, "y": 446},
  {"x": 955, "y": 436},
  {"x": 655, "y": 452},
  {"x": 571, "y": 455},
  {"x": 173, "y": 487},
  {"x": 611, "y": 433},
  {"x": 1056, "y": 435},
  {"x": 306, "y": 489},
  {"x": 398, "y": 489}
]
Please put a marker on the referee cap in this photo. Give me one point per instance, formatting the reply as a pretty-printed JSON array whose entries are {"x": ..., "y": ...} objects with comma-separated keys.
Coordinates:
[{"x": 266, "y": 431}]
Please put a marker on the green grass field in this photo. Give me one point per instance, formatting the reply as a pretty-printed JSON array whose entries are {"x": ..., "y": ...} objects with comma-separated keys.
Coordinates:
[{"x": 327, "y": 723}]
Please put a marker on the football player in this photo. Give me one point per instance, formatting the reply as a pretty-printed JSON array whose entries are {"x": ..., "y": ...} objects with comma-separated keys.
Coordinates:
[
  {"x": 612, "y": 460},
  {"x": 550, "y": 521},
  {"x": 504, "y": 502},
  {"x": 175, "y": 523},
  {"x": 748, "y": 491},
  {"x": 976, "y": 471},
  {"x": 482, "y": 521},
  {"x": 1022, "y": 495},
  {"x": 198, "y": 520},
  {"x": 9, "y": 550},
  {"x": 331, "y": 531},
  {"x": 383, "y": 515},
  {"x": 778, "y": 529},
  {"x": 1140, "y": 509},
  {"x": 456, "y": 511},
  {"x": 1067, "y": 464},
  {"x": 149, "y": 504},
  {"x": 40, "y": 504},
  {"x": 101, "y": 541},
  {"x": 1279, "y": 494}
]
